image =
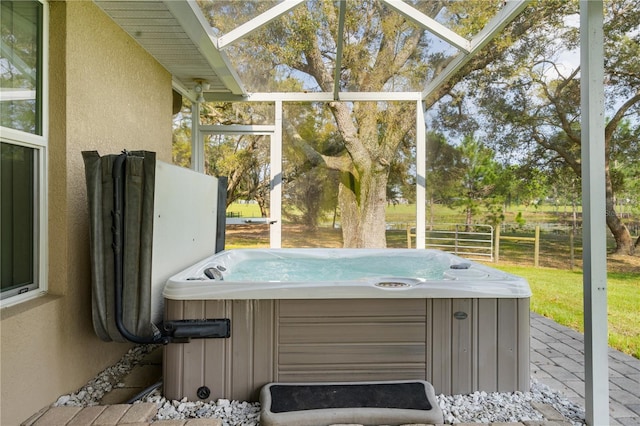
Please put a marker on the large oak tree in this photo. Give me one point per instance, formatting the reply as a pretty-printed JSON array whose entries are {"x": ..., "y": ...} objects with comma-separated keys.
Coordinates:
[{"x": 383, "y": 51}]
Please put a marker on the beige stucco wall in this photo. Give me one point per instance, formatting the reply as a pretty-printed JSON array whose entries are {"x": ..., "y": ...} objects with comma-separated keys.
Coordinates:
[{"x": 106, "y": 94}]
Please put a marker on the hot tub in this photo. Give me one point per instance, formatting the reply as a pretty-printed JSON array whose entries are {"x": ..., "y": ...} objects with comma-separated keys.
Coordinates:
[{"x": 336, "y": 315}]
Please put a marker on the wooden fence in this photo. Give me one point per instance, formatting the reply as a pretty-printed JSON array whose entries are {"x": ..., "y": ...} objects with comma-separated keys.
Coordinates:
[
  {"x": 470, "y": 241},
  {"x": 535, "y": 239},
  {"x": 477, "y": 242}
]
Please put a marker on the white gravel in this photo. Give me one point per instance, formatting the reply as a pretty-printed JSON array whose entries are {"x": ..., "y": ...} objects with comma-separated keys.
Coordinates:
[
  {"x": 91, "y": 393},
  {"x": 480, "y": 407}
]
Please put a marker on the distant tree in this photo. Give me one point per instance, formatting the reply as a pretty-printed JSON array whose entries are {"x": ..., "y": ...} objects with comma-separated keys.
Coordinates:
[
  {"x": 443, "y": 172},
  {"x": 531, "y": 185},
  {"x": 625, "y": 168},
  {"x": 566, "y": 190},
  {"x": 243, "y": 159},
  {"x": 528, "y": 101},
  {"x": 181, "y": 143},
  {"x": 310, "y": 192},
  {"x": 479, "y": 177},
  {"x": 313, "y": 194},
  {"x": 520, "y": 221},
  {"x": 401, "y": 186}
]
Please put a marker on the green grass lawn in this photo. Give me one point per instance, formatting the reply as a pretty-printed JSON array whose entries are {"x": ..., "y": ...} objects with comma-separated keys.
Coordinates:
[
  {"x": 558, "y": 294},
  {"x": 442, "y": 214},
  {"x": 245, "y": 210}
]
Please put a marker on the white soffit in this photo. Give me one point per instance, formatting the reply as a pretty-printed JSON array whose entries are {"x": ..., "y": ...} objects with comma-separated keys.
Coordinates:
[{"x": 177, "y": 35}]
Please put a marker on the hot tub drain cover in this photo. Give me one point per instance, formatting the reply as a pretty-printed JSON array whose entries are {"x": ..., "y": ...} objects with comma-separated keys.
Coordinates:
[{"x": 308, "y": 404}]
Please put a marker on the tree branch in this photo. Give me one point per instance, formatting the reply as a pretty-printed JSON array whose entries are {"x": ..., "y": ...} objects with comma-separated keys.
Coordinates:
[
  {"x": 615, "y": 120},
  {"x": 565, "y": 154},
  {"x": 341, "y": 163}
]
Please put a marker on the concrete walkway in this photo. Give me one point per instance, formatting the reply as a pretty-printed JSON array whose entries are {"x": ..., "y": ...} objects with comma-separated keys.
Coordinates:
[{"x": 557, "y": 360}]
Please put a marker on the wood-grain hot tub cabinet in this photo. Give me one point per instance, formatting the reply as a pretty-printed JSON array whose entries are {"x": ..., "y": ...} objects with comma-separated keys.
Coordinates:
[{"x": 466, "y": 330}]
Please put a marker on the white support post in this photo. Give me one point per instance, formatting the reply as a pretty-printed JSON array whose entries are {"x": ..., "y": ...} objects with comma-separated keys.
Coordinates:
[
  {"x": 421, "y": 175},
  {"x": 197, "y": 143},
  {"x": 275, "y": 200},
  {"x": 593, "y": 202}
]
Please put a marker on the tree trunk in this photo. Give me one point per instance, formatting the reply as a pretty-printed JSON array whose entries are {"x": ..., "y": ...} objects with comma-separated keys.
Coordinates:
[
  {"x": 263, "y": 204},
  {"x": 622, "y": 236},
  {"x": 362, "y": 207}
]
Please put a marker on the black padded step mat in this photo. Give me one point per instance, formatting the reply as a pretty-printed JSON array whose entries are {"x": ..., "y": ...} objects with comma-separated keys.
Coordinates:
[
  {"x": 410, "y": 396},
  {"x": 368, "y": 403}
]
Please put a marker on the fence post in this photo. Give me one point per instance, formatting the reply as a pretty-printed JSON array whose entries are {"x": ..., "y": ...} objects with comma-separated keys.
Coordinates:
[
  {"x": 571, "y": 252},
  {"x": 497, "y": 244},
  {"x": 408, "y": 236},
  {"x": 491, "y": 242},
  {"x": 536, "y": 249},
  {"x": 456, "y": 241}
]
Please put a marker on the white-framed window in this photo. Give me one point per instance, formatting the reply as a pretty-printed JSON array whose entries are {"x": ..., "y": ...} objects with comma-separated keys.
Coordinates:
[{"x": 23, "y": 149}]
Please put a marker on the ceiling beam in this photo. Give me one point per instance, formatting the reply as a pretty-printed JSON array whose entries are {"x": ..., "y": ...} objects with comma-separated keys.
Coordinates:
[
  {"x": 256, "y": 23},
  {"x": 507, "y": 14},
  {"x": 239, "y": 129},
  {"x": 314, "y": 97},
  {"x": 339, "y": 45},
  {"x": 430, "y": 24}
]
